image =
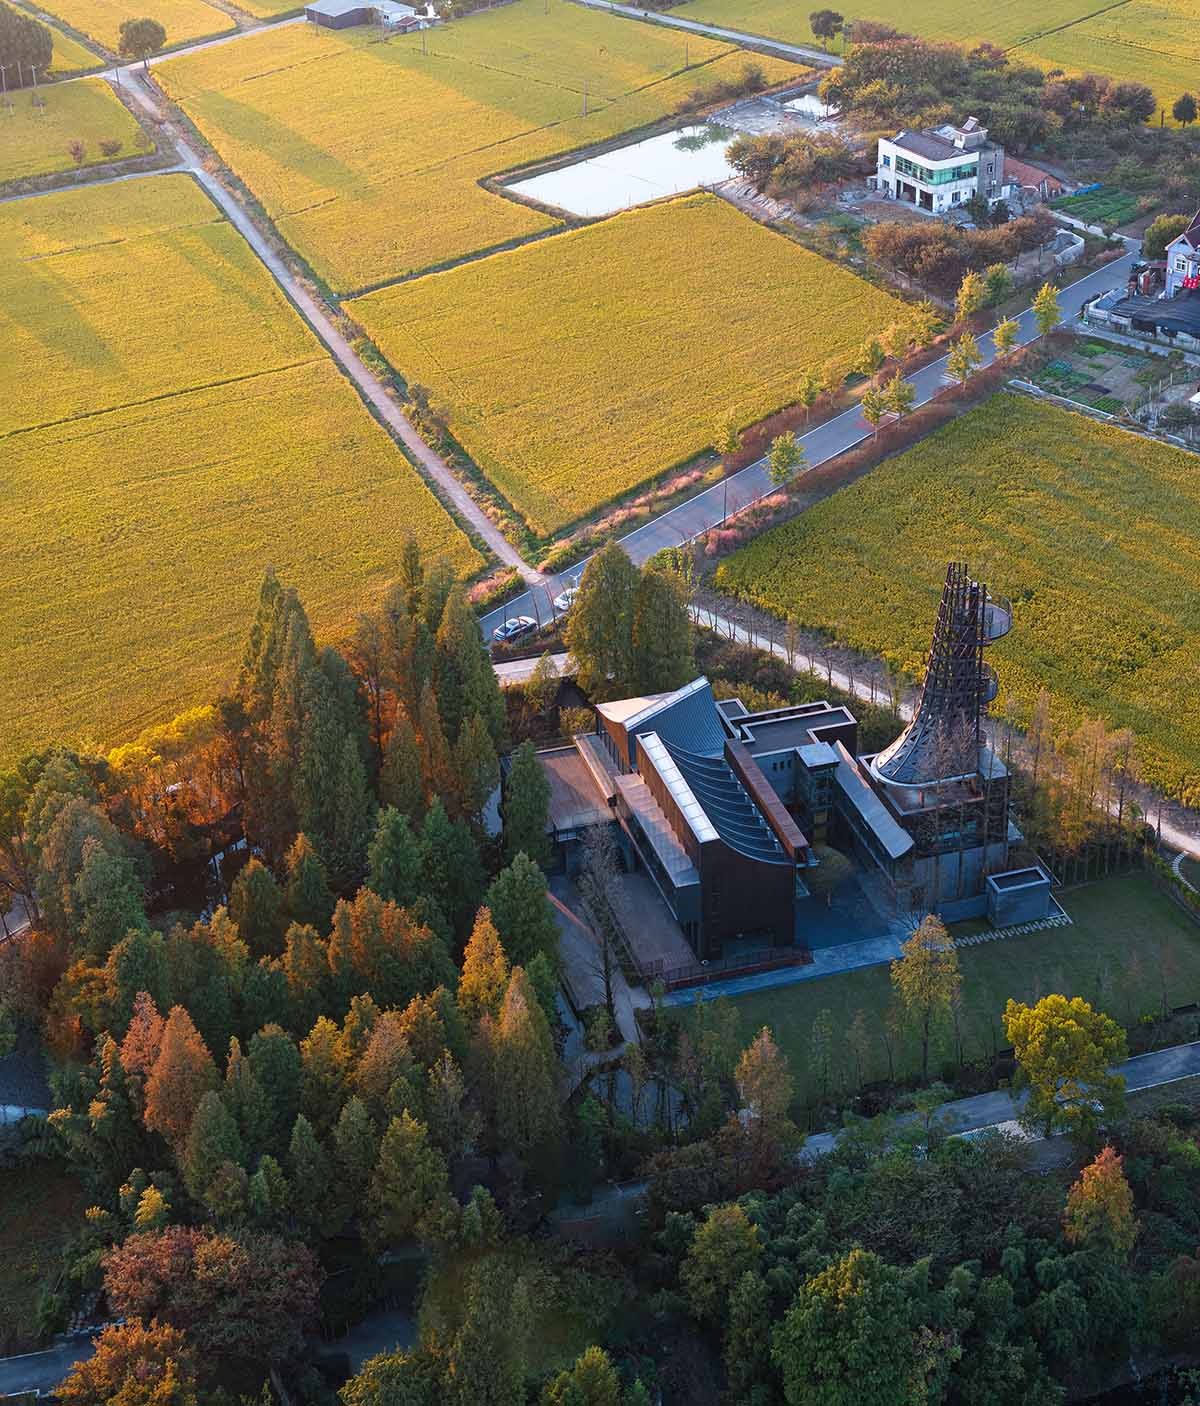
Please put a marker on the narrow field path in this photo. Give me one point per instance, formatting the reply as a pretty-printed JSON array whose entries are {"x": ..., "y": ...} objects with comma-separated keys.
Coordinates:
[
  {"x": 317, "y": 315},
  {"x": 715, "y": 31}
]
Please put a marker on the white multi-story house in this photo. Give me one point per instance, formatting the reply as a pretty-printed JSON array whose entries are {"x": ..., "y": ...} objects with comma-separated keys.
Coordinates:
[
  {"x": 940, "y": 169},
  {"x": 1183, "y": 259}
]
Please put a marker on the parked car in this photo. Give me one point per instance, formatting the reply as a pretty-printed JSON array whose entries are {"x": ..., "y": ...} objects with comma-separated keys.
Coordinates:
[
  {"x": 513, "y": 628},
  {"x": 564, "y": 602}
]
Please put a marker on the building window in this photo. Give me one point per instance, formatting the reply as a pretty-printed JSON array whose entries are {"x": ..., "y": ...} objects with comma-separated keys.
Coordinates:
[
  {"x": 1181, "y": 264},
  {"x": 885, "y": 159}
]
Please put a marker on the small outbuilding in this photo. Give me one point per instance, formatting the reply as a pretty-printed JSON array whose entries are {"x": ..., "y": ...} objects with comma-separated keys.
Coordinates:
[{"x": 338, "y": 14}]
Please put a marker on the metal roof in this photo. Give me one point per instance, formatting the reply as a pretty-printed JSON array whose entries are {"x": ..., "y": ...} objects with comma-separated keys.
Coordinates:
[
  {"x": 728, "y": 807},
  {"x": 687, "y": 718},
  {"x": 930, "y": 146},
  {"x": 870, "y": 808},
  {"x": 660, "y": 757},
  {"x": 332, "y": 9}
]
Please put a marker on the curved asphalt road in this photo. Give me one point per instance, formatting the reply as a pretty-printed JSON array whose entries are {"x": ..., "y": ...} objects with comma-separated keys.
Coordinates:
[{"x": 708, "y": 509}]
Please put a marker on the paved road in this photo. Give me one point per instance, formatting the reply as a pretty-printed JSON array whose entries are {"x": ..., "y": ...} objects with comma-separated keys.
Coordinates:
[
  {"x": 318, "y": 318},
  {"x": 709, "y": 508},
  {"x": 714, "y": 31},
  {"x": 42, "y": 1371}
]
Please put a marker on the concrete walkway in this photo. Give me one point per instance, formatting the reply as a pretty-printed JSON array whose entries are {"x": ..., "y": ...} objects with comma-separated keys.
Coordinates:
[
  {"x": 42, "y": 1371},
  {"x": 708, "y": 509},
  {"x": 715, "y": 31}
]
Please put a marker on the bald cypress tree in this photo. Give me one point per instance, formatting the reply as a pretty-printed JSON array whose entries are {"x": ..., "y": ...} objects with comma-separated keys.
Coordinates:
[
  {"x": 663, "y": 657},
  {"x": 401, "y": 781},
  {"x": 527, "y": 1117},
  {"x": 308, "y": 895},
  {"x": 526, "y": 807},
  {"x": 394, "y": 859},
  {"x": 182, "y": 1074},
  {"x": 476, "y": 767},
  {"x": 213, "y": 1140},
  {"x": 256, "y": 906},
  {"x": 521, "y": 911},
  {"x": 600, "y": 627},
  {"x": 484, "y": 978}
]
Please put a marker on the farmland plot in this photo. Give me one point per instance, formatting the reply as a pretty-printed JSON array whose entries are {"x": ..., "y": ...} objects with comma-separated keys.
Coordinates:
[
  {"x": 169, "y": 428},
  {"x": 368, "y": 154},
  {"x": 575, "y": 368},
  {"x": 1150, "y": 41},
  {"x": 1094, "y": 533},
  {"x": 36, "y": 139},
  {"x": 184, "y": 20}
]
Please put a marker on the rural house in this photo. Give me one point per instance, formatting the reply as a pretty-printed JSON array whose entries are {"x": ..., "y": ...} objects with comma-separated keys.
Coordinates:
[
  {"x": 937, "y": 170},
  {"x": 1183, "y": 259}
]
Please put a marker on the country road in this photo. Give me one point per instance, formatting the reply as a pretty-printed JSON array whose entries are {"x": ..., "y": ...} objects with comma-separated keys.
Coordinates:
[
  {"x": 708, "y": 509},
  {"x": 715, "y": 31},
  {"x": 318, "y": 318}
]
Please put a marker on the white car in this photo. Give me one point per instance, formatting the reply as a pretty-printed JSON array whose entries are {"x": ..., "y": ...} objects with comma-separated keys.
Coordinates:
[
  {"x": 514, "y": 628},
  {"x": 564, "y": 602}
]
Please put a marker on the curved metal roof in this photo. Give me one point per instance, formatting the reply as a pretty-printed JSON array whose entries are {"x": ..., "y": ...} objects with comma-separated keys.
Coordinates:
[{"x": 733, "y": 815}]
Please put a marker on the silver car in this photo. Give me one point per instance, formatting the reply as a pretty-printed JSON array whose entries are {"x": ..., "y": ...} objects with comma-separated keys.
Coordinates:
[
  {"x": 564, "y": 602},
  {"x": 514, "y": 628}
]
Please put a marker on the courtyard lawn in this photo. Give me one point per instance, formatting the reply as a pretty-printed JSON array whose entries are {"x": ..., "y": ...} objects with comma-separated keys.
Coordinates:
[
  {"x": 1094, "y": 533},
  {"x": 100, "y": 20},
  {"x": 35, "y": 139},
  {"x": 575, "y": 368},
  {"x": 368, "y": 154},
  {"x": 1152, "y": 41},
  {"x": 1128, "y": 942},
  {"x": 168, "y": 429}
]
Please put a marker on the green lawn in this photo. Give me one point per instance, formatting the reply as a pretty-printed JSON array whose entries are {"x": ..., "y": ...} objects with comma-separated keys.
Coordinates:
[{"x": 1127, "y": 940}]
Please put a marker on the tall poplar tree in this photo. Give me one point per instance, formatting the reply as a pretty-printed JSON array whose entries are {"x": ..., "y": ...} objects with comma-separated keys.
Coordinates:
[
  {"x": 663, "y": 657},
  {"x": 526, "y": 806},
  {"x": 599, "y": 630}
]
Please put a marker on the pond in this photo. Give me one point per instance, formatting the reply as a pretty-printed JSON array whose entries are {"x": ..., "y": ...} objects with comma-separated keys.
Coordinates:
[
  {"x": 668, "y": 164},
  {"x": 809, "y": 105}
]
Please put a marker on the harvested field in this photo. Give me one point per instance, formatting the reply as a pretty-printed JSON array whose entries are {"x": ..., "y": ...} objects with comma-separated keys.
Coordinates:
[
  {"x": 1094, "y": 532},
  {"x": 165, "y": 437},
  {"x": 36, "y": 139},
  {"x": 368, "y": 155},
  {"x": 576, "y": 368}
]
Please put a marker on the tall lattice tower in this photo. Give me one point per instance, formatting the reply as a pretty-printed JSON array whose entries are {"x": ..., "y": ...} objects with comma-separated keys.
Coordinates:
[{"x": 942, "y": 743}]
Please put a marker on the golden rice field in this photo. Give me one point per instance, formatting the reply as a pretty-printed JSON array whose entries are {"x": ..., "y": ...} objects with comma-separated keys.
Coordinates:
[
  {"x": 1151, "y": 41},
  {"x": 184, "y": 20},
  {"x": 168, "y": 428},
  {"x": 1093, "y": 532},
  {"x": 575, "y": 368},
  {"x": 368, "y": 154},
  {"x": 35, "y": 139},
  {"x": 69, "y": 55}
]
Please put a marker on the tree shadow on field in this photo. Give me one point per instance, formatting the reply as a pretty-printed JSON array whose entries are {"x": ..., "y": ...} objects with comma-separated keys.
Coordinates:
[
  {"x": 279, "y": 141},
  {"x": 51, "y": 311}
]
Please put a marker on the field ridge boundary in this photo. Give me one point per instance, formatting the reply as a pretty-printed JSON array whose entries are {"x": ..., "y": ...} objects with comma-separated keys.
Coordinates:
[{"x": 1070, "y": 24}]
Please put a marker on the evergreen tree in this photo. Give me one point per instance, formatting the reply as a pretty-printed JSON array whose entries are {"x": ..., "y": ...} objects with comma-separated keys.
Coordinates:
[
  {"x": 212, "y": 1140},
  {"x": 520, "y": 908},
  {"x": 350, "y": 702},
  {"x": 747, "y": 1345},
  {"x": 141, "y": 1045},
  {"x": 484, "y": 978},
  {"x": 488, "y": 1355},
  {"x": 380, "y": 948},
  {"x": 593, "y": 1381},
  {"x": 927, "y": 981},
  {"x": 462, "y": 664},
  {"x": 275, "y": 1060},
  {"x": 325, "y": 1072},
  {"x": 452, "y": 1126},
  {"x": 599, "y": 630},
  {"x": 181, "y": 1075},
  {"x": 525, "y": 1072},
  {"x": 265, "y": 996},
  {"x": 1099, "y": 1214},
  {"x": 663, "y": 658},
  {"x": 309, "y": 1177},
  {"x": 451, "y": 871},
  {"x": 135, "y": 964},
  {"x": 333, "y": 802},
  {"x": 307, "y": 895},
  {"x": 401, "y": 782},
  {"x": 115, "y": 1139},
  {"x": 437, "y": 763},
  {"x": 408, "y": 1186},
  {"x": 394, "y": 859},
  {"x": 387, "y": 1078},
  {"x": 723, "y": 1248},
  {"x": 526, "y": 807},
  {"x": 355, "y": 1152},
  {"x": 475, "y": 766},
  {"x": 305, "y": 965},
  {"x": 109, "y": 899},
  {"x": 256, "y": 906},
  {"x": 268, "y": 1194},
  {"x": 247, "y": 1103}
]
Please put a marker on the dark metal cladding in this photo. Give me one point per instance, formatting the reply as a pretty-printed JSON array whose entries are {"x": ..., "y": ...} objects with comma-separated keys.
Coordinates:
[{"x": 943, "y": 740}]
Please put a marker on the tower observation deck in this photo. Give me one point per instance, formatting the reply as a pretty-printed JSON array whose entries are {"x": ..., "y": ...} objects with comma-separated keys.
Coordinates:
[{"x": 943, "y": 741}]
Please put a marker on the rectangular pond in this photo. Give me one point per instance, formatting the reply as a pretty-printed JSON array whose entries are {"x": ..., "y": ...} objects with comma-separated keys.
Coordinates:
[{"x": 668, "y": 164}]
